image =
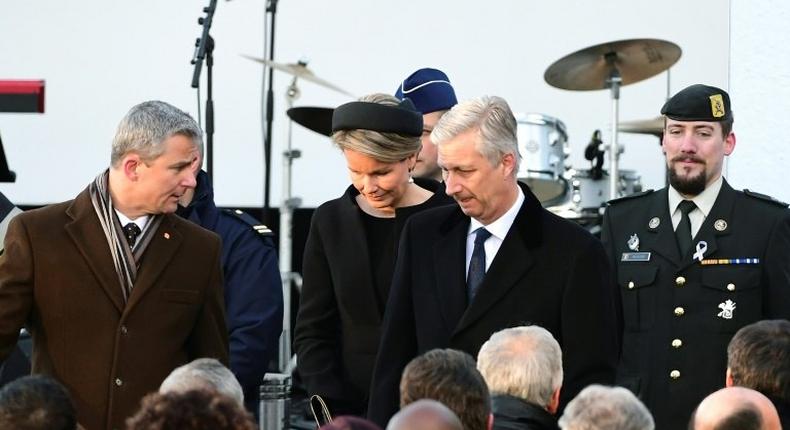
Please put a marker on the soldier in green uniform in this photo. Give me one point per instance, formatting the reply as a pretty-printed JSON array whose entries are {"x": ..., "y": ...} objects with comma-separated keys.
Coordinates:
[{"x": 694, "y": 262}]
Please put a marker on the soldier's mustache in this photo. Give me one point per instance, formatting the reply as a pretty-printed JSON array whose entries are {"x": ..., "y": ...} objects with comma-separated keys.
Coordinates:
[{"x": 692, "y": 158}]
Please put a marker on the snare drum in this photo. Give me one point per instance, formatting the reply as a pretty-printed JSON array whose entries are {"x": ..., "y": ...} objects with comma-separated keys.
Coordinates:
[{"x": 543, "y": 145}]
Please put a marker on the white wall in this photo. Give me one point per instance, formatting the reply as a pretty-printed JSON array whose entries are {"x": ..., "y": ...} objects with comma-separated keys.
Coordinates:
[
  {"x": 761, "y": 96},
  {"x": 100, "y": 57}
]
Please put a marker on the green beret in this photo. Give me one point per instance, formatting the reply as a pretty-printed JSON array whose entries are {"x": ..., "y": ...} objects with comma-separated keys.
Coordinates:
[{"x": 699, "y": 103}]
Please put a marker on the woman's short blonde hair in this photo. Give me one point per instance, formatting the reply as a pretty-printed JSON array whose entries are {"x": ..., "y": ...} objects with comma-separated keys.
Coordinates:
[{"x": 381, "y": 146}]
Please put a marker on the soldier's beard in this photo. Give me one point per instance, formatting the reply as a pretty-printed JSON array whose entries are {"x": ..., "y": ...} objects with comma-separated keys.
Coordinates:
[{"x": 690, "y": 186}]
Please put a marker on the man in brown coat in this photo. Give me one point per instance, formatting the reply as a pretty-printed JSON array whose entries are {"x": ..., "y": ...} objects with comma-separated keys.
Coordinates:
[{"x": 117, "y": 290}]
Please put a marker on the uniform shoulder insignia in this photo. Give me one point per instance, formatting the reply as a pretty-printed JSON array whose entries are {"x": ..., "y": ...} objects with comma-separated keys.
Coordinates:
[
  {"x": 629, "y": 197},
  {"x": 765, "y": 198},
  {"x": 251, "y": 221}
]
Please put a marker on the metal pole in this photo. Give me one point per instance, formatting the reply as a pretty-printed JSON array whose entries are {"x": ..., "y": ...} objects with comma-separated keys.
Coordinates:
[{"x": 286, "y": 238}]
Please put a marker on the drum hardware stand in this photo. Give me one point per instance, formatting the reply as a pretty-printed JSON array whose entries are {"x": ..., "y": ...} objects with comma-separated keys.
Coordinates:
[
  {"x": 613, "y": 82},
  {"x": 286, "y": 360},
  {"x": 204, "y": 48}
]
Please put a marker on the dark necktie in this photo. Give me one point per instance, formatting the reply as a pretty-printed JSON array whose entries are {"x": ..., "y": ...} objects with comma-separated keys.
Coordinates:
[
  {"x": 683, "y": 232},
  {"x": 131, "y": 231},
  {"x": 477, "y": 264}
]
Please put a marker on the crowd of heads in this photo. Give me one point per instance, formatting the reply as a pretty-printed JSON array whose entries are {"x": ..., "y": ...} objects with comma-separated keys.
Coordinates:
[{"x": 446, "y": 389}]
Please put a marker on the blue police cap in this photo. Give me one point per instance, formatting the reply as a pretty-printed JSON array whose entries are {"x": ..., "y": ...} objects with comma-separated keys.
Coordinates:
[{"x": 429, "y": 89}]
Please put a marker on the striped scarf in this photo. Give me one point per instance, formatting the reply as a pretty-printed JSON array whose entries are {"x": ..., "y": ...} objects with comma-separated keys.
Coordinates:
[{"x": 126, "y": 259}]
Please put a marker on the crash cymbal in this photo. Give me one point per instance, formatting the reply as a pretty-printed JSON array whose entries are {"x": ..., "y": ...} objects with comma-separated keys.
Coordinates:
[
  {"x": 654, "y": 126},
  {"x": 318, "y": 119},
  {"x": 635, "y": 60},
  {"x": 299, "y": 70}
]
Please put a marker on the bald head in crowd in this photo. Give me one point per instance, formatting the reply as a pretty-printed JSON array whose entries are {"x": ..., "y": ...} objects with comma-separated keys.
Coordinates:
[
  {"x": 606, "y": 408},
  {"x": 425, "y": 414},
  {"x": 735, "y": 408}
]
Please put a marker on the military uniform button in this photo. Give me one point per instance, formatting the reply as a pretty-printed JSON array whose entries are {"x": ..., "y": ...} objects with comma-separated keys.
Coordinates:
[
  {"x": 679, "y": 311},
  {"x": 675, "y": 374},
  {"x": 680, "y": 281},
  {"x": 677, "y": 343},
  {"x": 124, "y": 330},
  {"x": 730, "y": 287},
  {"x": 630, "y": 285},
  {"x": 118, "y": 382}
]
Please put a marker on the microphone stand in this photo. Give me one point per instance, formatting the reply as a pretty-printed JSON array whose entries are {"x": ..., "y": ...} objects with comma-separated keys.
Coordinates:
[
  {"x": 271, "y": 10},
  {"x": 204, "y": 48}
]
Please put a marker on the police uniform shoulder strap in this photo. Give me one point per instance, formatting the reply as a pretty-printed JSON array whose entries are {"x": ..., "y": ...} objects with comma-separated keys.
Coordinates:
[
  {"x": 248, "y": 219},
  {"x": 629, "y": 197},
  {"x": 764, "y": 198}
]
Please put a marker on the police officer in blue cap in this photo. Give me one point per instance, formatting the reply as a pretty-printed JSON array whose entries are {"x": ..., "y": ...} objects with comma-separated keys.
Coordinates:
[
  {"x": 694, "y": 262},
  {"x": 433, "y": 95}
]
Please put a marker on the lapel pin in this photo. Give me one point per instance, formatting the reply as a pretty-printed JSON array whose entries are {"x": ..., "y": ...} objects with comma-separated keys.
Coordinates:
[
  {"x": 720, "y": 225},
  {"x": 700, "y": 249},
  {"x": 167, "y": 235},
  {"x": 654, "y": 222},
  {"x": 633, "y": 242},
  {"x": 727, "y": 309}
]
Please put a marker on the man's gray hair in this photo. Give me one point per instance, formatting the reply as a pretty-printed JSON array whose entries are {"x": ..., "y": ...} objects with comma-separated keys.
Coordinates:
[
  {"x": 606, "y": 408},
  {"x": 204, "y": 373},
  {"x": 147, "y": 125},
  {"x": 494, "y": 122},
  {"x": 524, "y": 362}
]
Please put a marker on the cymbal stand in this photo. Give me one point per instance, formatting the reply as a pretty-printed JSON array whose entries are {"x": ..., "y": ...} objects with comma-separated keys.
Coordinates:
[
  {"x": 613, "y": 82},
  {"x": 287, "y": 207}
]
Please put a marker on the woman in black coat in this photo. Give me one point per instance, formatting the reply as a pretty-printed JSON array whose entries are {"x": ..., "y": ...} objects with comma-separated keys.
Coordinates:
[{"x": 350, "y": 252}]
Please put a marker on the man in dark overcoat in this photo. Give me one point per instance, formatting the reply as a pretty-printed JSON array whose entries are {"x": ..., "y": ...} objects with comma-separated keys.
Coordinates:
[{"x": 496, "y": 260}]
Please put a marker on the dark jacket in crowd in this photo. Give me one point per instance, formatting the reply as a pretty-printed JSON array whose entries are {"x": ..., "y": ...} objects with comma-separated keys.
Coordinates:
[
  {"x": 253, "y": 290},
  {"x": 512, "y": 413}
]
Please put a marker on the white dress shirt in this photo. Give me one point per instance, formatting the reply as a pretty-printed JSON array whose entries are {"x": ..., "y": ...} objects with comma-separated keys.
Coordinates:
[{"x": 498, "y": 230}]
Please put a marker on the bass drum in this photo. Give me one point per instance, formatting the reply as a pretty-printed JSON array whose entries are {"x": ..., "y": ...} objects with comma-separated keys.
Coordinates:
[{"x": 543, "y": 145}]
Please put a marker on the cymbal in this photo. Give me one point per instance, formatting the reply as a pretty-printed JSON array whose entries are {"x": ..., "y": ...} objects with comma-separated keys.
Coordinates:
[
  {"x": 318, "y": 119},
  {"x": 635, "y": 60},
  {"x": 299, "y": 70},
  {"x": 654, "y": 126}
]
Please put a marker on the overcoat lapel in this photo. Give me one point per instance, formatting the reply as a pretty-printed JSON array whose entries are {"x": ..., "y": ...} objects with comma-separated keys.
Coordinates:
[
  {"x": 156, "y": 257},
  {"x": 449, "y": 256},
  {"x": 89, "y": 239}
]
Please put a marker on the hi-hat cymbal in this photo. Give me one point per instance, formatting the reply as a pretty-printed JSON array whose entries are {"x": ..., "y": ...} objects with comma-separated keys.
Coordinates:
[
  {"x": 634, "y": 59},
  {"x": 318, "y": 119},
  {"x": 299, "y": 70},
  {"x": 654, "y": 126}
]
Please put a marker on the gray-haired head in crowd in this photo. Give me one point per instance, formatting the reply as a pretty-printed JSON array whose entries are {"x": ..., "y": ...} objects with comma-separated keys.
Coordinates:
[
  {"x": 598, "y": 407},
  {"x": 147, "y": 125},
  {"x": 204, "y": 373},
  {"x": 523, "y": 362}
]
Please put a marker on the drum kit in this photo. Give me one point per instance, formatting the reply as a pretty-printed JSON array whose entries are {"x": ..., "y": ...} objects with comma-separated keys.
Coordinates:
[{"x": 580, "y": 194}]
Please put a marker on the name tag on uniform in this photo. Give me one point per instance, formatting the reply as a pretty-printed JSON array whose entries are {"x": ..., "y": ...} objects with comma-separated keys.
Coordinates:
[{"x": 635, "y": 256}]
